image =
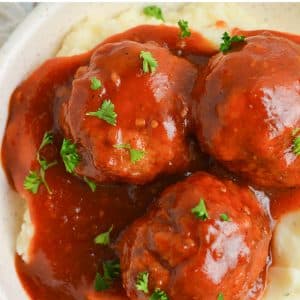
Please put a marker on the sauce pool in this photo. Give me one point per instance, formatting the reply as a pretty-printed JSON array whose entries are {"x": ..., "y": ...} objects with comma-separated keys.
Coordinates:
[{"x": 63, "y": 256}]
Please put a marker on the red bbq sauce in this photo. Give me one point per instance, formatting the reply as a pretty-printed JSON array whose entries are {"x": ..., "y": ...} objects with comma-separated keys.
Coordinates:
[{"x": 63, "y": 256}]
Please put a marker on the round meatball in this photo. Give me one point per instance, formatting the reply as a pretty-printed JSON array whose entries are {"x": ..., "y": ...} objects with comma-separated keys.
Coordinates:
[
  {"x": 247, "y": 110},
  {"x": 204, "y": 237},
  {"x": 142, "y": 127}
]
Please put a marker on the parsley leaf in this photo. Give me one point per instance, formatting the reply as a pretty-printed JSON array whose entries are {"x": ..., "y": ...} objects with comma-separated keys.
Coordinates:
[
  {"x": 46, "y": 165},
  {"x": 220, "y": 296},
  {"x": 158, "y": 294},
  {"x": 47, "y": 139},
  {"x": 105, "y": 112},
  {"x": 34, "y": 179},
  {"x": 142, "y": 282},
  {"x": 92, "y": 185},
  {"x": 184, "y": 28},
  {"x": 224, "y": 217},
  {"x": 100, "y": 283},
  {"x": 154, "y": 11},
  {"x": 135, "y": 154},
  {"x": 296, "y": 145},
  {"x": 69, "y": 155},
  {"x": 111, "y": 271},
  {"x": 32, "y": 182},
  {"x": 200, "y": 210},
  {"x": 227, "y": 41},
  {"x": 149, "y": 62},
  {"x": 296, "y": 141},
  {"x": 95, "y": 84},
  {"x": 104, "y": 238}
]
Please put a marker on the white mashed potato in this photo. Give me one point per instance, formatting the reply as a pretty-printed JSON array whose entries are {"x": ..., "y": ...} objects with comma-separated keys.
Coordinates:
[{"x": 284, "y": 275}]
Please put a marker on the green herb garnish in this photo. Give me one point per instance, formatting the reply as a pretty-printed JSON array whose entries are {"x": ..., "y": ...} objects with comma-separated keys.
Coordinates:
[
  {"x": 32, "y": 182},
  {"x": 227, "y": 41},
  {"x": 47, "y": 139},
  {"x": 69, "y": 155},
  {"x": 92, "y": 185},
  {"x": 34, "y": 179},
  {"x": 100, "y": 283},
  {"x": 149, "y": 62},
  {"x": 200, "y": 210},
  {"x": 296, "y": 141},
  {"x": 103, "y": 238},
  {"x": 135, "y": 154},
  {"x": 220, "y": 296},
  {"x": 158, "y": 294},
  {"x": 154, "y": 11},
  {"x": 142, "y": 282},
  {"x": 95, "y": 84},
  {"x": 111, "y": 271},
  {"x": 105, "y": 112},
  {"x": 224, "y": 217},
  {"x": 184, "y": 28}
]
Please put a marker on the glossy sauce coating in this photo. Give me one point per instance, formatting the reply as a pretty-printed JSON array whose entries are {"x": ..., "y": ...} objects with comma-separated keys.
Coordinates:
[
  {"x": 247, "y": 106},
  {"x": 192, "y": 258},
  {"x": 63, "y": 256},
  {"x": 152, "y": 113}
]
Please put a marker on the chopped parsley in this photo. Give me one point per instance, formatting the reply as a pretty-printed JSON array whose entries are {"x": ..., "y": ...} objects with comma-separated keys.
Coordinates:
[
  {"x": 47, "y": 139},
  {"x": 92, "y": 185},
  {"x": 154, "y": 11},
  {"x": 142, "y": 282},
  {"x": 149, "y": 62},
  {"x": 100, "y": 283},
  {"x": 227, "y": 41},
  {"x": 296, "y": 141},
  {"x": 103, "y": 238},
  {"x": 220, "y": 296},
  {"x": 135, "y": 154},
  {"x": 95, "y": 84},
  {"x": 69, "y": 155},
  {"x": 32, "y": 182},
  {"x": 158, "y": 294},
  {"x": 105, "y": 112},
  {"x": 184, "y": 28},
  {"x": 34, "y": 179},
  {"x": 200, "y": 210},
  {"x": 224, "y": 217},
  {"x": 111, "y": 271}
]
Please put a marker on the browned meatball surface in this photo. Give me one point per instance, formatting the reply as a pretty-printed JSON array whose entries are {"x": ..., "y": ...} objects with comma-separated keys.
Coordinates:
[
  {"x": 247, "y": 110},
  {"x": 147, "y": 136},
  {"x": 192, "y": 255}
]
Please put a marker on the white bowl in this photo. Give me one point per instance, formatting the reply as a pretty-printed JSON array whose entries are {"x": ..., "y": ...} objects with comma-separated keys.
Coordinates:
[{"x": 35, "y": 40}]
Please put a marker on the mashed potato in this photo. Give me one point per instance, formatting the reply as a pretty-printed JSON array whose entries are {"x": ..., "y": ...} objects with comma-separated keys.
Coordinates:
[{"x": 284, "y": 275}]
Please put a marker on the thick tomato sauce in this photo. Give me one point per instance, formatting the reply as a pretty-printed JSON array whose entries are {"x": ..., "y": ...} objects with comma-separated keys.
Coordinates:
[{"x": 63, "y": 256}]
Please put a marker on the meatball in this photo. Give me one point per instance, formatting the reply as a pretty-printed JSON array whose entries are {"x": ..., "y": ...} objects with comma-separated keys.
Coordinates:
[
  {"x": 204, "y": 237},
  {"x": 145, "y": 132},
  {"x": 247, "y": 110}
]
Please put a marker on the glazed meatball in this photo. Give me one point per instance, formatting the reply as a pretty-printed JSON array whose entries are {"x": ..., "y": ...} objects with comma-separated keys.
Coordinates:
[
  {"x": 144, "y": 101},
  {"x": 247, "y": 110},
  {"x": 203, "y": 238}
]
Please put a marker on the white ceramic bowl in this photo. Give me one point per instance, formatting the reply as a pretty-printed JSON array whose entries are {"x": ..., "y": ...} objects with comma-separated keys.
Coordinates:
[{"x": 35, "y": 40}]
